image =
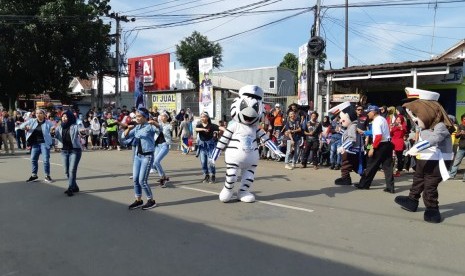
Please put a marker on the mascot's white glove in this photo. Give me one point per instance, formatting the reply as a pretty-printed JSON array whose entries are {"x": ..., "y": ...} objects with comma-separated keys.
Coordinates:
[
  {"x": 341, "y": 150},
  {"x": 215, "y": 155},
  {"x": 418, "y": 147},
  {"x": 269, "y": 144},
  {"x": 411, "y": 152}
]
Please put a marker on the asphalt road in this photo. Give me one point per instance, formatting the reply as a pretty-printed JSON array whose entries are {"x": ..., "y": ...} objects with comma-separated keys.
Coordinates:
[{"x": 301, "y": 224}]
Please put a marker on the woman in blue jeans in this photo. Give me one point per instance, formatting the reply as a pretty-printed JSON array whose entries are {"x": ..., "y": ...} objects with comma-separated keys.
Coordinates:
[
  {"x": 162, "y": 146},
  {"x": 38, "y": 136},
  {"x": 206, "y": 144},
  {"x": 144, "y": 139},
  {"x": 68, "y": 134}
]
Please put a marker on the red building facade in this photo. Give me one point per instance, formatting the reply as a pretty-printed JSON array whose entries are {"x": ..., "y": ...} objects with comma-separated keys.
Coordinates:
[{"x": 156, "y": 69}]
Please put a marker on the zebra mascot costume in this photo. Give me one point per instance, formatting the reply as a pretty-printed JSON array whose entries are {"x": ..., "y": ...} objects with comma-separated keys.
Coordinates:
[{"x": 240, "y": 143}]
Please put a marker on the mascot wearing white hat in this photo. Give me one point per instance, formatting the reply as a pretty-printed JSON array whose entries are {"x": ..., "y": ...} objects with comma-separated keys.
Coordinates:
[
  {"x": 351, "y": 148},
  {"x": 432, "y": 151},
  {"x": 239, "y": 141}
]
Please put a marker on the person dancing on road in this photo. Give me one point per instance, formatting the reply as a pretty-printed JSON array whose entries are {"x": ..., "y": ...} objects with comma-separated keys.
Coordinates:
[
  {"x": 144, "y": 134},
  {"x": 68, "y": 133}
]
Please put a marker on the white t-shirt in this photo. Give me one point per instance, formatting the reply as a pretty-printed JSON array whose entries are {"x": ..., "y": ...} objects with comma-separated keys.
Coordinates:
[{"x": 380, "y": 126}]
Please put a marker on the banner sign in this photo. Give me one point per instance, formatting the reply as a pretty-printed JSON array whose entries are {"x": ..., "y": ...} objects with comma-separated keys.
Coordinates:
[
  {"x": 139, "y": 99},
  {"x": 302, "y": 86},
  {"x": 345, "y": 97},
  {"x": 206, "y": 87},
  {"x": 164, "y": 102}
]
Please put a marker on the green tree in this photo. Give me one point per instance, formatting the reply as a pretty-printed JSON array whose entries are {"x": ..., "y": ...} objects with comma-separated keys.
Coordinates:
[
  {"x": 193, "y": 48},
  {"x": 290, "y": 61},
  {"x": 46, "y": 43}
]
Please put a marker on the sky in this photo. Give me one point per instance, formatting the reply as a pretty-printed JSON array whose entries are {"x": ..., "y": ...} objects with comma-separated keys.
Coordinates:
[{"x": 379, "y": 32}]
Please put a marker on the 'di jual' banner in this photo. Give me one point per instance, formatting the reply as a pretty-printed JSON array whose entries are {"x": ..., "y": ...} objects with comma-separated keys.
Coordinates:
[
  {"x": 139, "y": 99},
  {"x": 206, "y": 86},
  {"x": 302, "y": 98}
]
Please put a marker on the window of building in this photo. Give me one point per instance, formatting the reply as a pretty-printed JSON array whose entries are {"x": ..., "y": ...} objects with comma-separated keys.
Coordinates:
[{"x": 272, "y": 83}]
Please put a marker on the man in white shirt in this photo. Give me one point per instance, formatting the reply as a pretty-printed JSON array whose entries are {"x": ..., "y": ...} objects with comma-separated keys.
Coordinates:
[{"x": 380, "y": 153}]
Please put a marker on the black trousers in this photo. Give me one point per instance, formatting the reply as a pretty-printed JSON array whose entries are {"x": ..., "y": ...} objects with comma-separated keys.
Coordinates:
[{"x": 381, "y": 156}]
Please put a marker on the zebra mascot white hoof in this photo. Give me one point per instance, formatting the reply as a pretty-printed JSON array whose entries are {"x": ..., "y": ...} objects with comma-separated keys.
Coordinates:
[
  {"x": 245, "y": 196},
  {"x": 226, "y": 194},
  {"x": 239, "y": 141}
]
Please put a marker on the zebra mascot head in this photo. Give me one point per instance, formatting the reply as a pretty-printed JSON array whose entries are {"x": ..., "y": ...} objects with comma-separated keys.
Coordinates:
[{"x": 248, "y": 107}]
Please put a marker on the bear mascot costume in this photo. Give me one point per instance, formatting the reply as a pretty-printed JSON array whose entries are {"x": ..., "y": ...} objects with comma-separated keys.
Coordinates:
[
  {"x": 239, "y": 141},
  {"x": 433, "y": 152},
  {"x": 352, "y": 147}
]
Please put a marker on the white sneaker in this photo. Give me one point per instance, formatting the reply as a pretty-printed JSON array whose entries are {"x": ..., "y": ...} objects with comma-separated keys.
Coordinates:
[
  {"x": 289, "y": 167},
  {"x": 152, "y": 171}
]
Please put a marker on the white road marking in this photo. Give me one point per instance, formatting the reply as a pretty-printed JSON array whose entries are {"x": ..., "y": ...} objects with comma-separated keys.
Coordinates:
[
  {"x": 61, "y": 165},
  {"x": 215, "y": 193},
  {"x": 258, "y": 201}
]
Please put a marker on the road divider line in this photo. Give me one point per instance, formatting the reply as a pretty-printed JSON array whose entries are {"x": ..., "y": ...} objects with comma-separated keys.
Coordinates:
[{"x": 258, "y": 201}]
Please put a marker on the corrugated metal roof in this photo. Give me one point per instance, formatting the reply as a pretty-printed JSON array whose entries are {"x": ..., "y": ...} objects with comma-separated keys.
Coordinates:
[{"x": 402, "y": 65}]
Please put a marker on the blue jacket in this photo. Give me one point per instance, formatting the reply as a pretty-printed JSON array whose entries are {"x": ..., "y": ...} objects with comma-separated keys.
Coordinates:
[
  {"x": 73, "y": 131},
  {"x": 10, "y": 122},
  {"x": 46, "y": 128},
  {"x": 146, "y": 134}
]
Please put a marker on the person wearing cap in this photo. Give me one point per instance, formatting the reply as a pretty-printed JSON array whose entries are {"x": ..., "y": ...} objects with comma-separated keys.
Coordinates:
[
  {"x": 206, "y": 146},
  {"x": 38, "y": 135},
  {"x": 380, "y": 152},
  {"x": 144, "y": 135}
]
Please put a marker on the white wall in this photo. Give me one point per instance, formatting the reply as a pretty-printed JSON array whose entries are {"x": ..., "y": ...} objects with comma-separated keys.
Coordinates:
[
  {"x": 178, "y": 77},
  {"x": 109, "y": 85}
]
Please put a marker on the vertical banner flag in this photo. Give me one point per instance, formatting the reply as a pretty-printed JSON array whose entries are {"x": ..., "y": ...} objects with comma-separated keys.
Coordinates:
[
  {"x": 302, "y": 98},
  {"x": 206, "y": 86},
  {"x": 139, "y": 99}
]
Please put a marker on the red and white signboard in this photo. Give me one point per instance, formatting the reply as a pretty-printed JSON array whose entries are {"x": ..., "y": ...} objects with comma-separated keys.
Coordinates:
[{"x": 147, "y": 66}]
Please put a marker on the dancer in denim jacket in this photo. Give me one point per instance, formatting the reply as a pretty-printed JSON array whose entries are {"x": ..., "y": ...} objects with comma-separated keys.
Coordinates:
[
  {"x": 68, "y": 133},
  {"x": 38, "y": 135},
  {"x": 144, "y": 134}
]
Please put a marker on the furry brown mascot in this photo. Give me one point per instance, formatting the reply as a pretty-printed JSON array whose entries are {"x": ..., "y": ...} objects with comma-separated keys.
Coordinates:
[{"x": 433, "y": 152}]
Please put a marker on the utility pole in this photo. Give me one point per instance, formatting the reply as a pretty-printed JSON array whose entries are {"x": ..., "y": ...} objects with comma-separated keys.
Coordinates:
[
  {"x": 317, "y": 60},
  {"x": 346, "y": 56},
  {"x": 118, "y": 18}
]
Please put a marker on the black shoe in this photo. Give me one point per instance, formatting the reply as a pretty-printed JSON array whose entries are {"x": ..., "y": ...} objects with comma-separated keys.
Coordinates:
[
  {"x": 332, "y": 167},
  {"x": 149, "y": 205},
  {"x": 407, "y": 203},
  {"x": 389, "y": 190},
  {"x": 136, "y": 204},
  {"x": 69, "y": 192},
  {"x": 48, "y": 179},
  {"x": 432, "y": 215},
  {"x": 212, "y": 179},
  {"x": 75, "y": 189},
  {"x": 337, "y": 167},
  {"x": 358, "y": 186},
  {"x": 206, "y": 179},
  {"x": 32, "y": 178},
  {"x": 343, "y": 181},
  {"x": 163, "y": 181}
]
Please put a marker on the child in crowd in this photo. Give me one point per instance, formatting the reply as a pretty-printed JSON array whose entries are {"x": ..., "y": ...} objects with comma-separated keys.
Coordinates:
[{"x": 104, "y": 135}]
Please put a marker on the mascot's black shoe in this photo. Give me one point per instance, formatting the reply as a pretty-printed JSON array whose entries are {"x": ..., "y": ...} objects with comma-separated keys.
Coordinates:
[
  {"x": 343, "y": 181},
  {"x": 432, "y": 215},
  {"x": 407, "y": 203},
  {"x": 358, "y": 186}
]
